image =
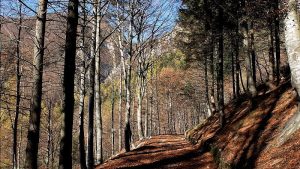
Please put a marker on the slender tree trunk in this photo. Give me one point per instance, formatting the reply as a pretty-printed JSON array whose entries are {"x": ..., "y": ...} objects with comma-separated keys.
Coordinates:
[
  {"x": 151, "y": 108},
  {"x": 49, "y": 125},
  {"x": 65, "y": 156},
  {"x": 35, "y": 113},
  {"x": 81, "y": 110},
  {"x": 271, "y": 52},
  {"x": 233, "y": 75},
  {"x": 252, "y": 51},
  {"x": 90, "y": 160},
  {"x": 122, "y": 73},
  {"x": 127, "y": 131},
  {"x": 112, "y": 121},
  {"x": 146, "y": 116},
  {"x": 82, "y": 154},
  {"x": 139, "y": 108},
  {"x": 1, "y": 80},
  {"x": 220, "y": 76},
  {"x": 206, "y": 84},
  {"x": 157, "y": 102},
  {"x": 19, "y": 148},
  {"x": 277, "y": 40},
  {"x": 212, "y": 71},
  {"x": 90, "y": 152},
  {"x": 170, "y": 114},
  {"x": 244, "y": 26},
  {"x": 150, "y": 113},
  {"x": 120, "y": 107},
  {"x": 18, "y": 94},
  {"x": 99, "y": 132},
  {"x": 237, "y": 61}
]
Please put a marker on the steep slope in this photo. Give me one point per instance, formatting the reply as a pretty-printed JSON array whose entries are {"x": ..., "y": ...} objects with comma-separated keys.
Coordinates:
[{"x": 248, "y": 140}]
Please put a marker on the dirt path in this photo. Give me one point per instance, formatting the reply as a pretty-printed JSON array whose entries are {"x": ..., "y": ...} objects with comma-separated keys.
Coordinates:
[
  {"x": 247, "y": 140},
  {"x": 166, "y": 151}
]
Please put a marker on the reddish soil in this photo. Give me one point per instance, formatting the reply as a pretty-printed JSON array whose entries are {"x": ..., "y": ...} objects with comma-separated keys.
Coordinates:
[{"x": 249, "y": 139}]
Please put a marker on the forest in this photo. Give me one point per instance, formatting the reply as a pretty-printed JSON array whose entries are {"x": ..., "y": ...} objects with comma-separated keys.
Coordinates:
[{"x": 149, "y": 84}]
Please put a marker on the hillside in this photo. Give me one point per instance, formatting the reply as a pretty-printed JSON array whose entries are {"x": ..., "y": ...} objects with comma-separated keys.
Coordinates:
[{"x": 249, "y": 138}]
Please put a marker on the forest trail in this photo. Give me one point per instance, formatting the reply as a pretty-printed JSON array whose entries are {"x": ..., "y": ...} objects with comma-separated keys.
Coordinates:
[
  {"x": 164, "y": 151},
  {"x": 249, "y": 138}
]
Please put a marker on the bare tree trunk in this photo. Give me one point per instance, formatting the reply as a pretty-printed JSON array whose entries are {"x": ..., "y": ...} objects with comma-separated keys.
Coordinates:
[
  {"x": 150, "y": 112},
  {"x": 127, "y": 131},
  {"x": 140, "y": 102},
  {"x": 292, "y": 39},
  {"x": 120, "y": 109},
  {"x": 170, "y": 113},
  {"x": 19, "y": 147},
  {"x": 1, "y": 80},
  {"x": 81, "y": 110},
  {"x": 18, "y": 94},
  {"x": 98, "y": 113},
  {"x": 247, "y": 47},
  {"x": 90, "y": 152},
  {"x": 140, "y": 84},
  {"x": 65, "y": 156},
  {"x": 277, "y": 40},
  {"x": 252, "y": 51},
  {"x": 157, "y": 102},
  {"x": 271, "y": 52},
  {"x": 122, "y": 73},
  {"x": 49, "y": 130},
  {"x": 35, "y": 113},
  {"x": 212, "y": 71},
  {"x": 220, "y": 76},
  {"x": 151, "y": 108},
  {"x": 82, "y": 154},
  {"x": 99, "y": 132},
  {"x": 237, "y": 59},
  {"x": 146, "y": 116},
  {"x": 233, "y": 75},
  {"x": 112, "y": 121},
  {"x": 90, "y": 160}
]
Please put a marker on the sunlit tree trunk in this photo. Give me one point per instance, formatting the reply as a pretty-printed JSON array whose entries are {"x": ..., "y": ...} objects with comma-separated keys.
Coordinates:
[
  {"x": 99, "y": 132},
  {"x": 292, "y": 43},
  {"x": 140, "y": 86},
  {"x": 127, "y": 131},
  {"x": 35, "y": 113},
  {"x": 122, "y": 73}
]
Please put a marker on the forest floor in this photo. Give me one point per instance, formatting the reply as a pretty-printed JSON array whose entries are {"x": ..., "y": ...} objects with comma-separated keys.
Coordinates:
[{"x": 249, "y": 139}]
